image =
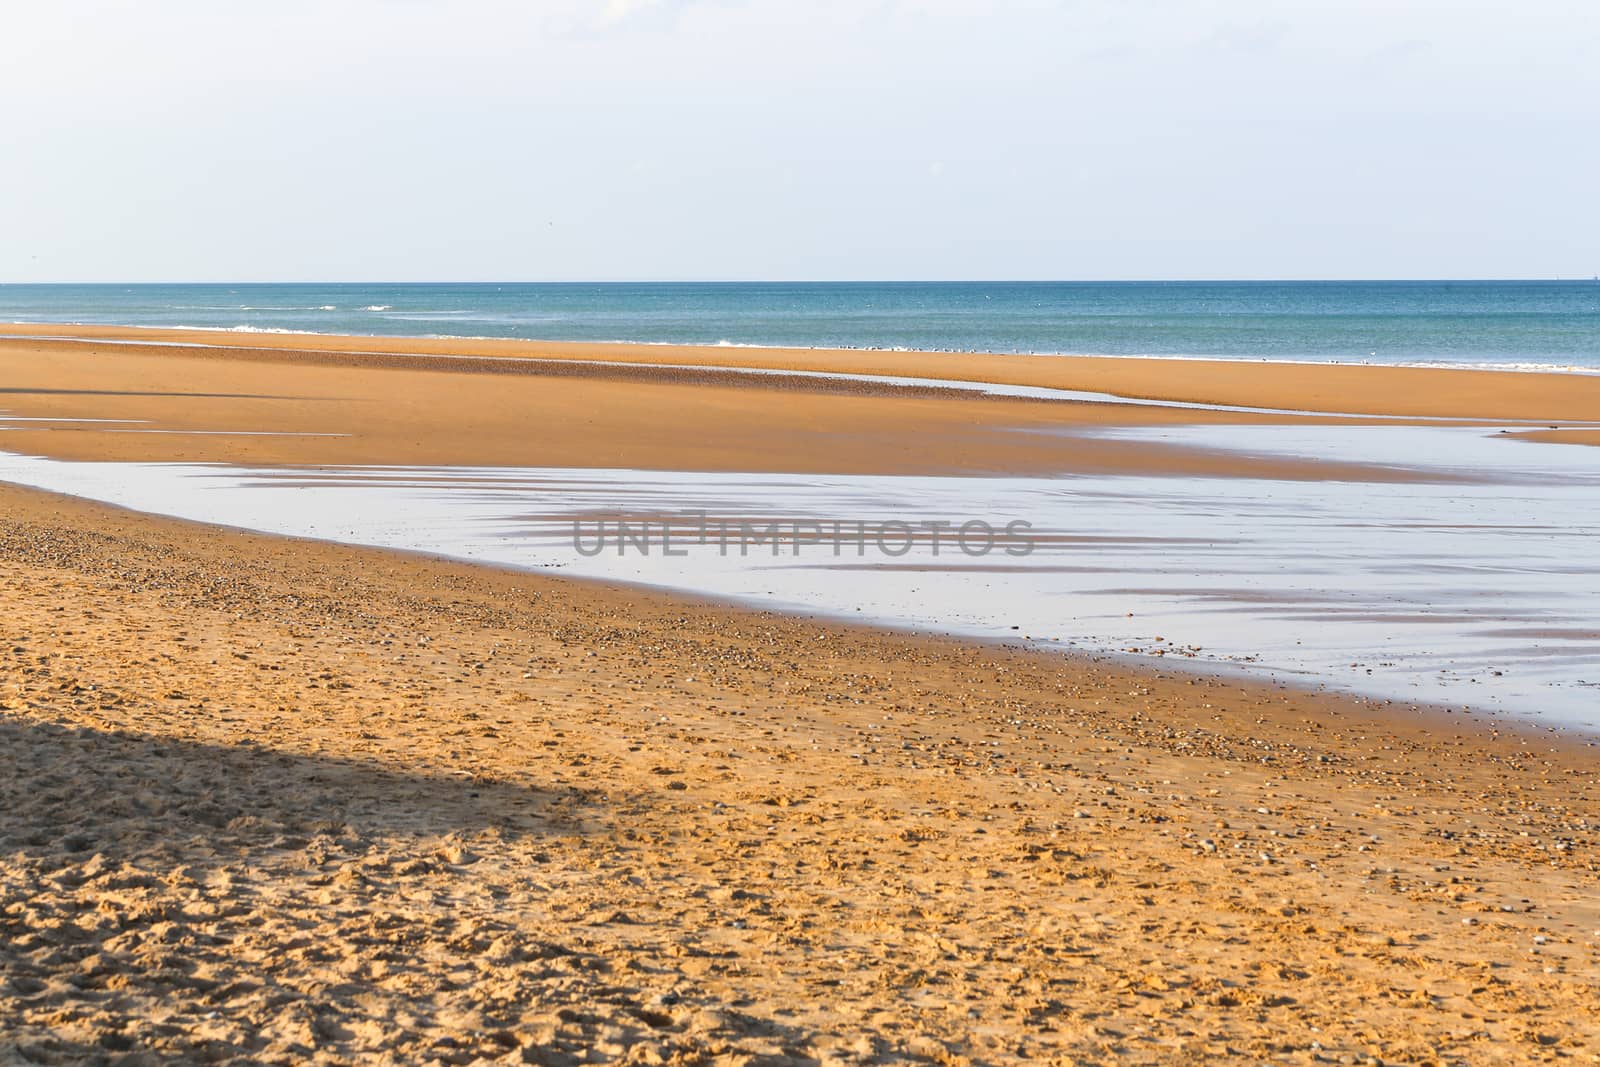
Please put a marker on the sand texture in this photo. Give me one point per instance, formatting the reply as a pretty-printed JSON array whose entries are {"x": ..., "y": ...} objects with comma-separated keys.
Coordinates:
[{"x": 268, "y": 801}]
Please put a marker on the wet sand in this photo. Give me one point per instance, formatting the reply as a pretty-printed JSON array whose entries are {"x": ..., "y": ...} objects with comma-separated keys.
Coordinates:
[
  {"x": 274, "y": 800},
  {"x": 268, "y": 400},
  {"x": 360, "y": 410},
  {"x": 1426, "y": 392}
]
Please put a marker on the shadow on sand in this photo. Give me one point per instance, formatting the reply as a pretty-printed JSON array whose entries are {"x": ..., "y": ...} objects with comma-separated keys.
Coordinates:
[
  {"x": 66, "y": 792},
  {"x": 168, "y": 900}
]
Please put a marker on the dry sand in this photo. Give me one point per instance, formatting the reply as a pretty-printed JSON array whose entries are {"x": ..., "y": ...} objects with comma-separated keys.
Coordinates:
[
  {"x": 268, "y": 801},
  {"x": 273, "y": 801}
]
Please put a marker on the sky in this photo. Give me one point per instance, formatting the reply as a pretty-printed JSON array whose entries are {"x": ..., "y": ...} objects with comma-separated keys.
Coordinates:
[{"x": 493, "y": 140}]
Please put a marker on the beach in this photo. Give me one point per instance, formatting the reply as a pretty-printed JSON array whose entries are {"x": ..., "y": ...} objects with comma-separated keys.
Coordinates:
[
  {"x": 647, "y": 406},
  {"x": 284, "y": 801},
  {"x": 291, "y": 800}
]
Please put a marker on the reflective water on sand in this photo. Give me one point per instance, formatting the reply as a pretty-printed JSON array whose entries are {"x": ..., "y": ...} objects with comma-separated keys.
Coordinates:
[{"x": 1481, "y": 593}]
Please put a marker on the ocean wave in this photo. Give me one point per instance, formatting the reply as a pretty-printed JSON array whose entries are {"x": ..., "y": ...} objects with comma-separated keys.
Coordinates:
[
  {"x": 1527, "y": 368},
  {"x": 241, "y": 328},
  {"x": 1505, "y": 366},
  {"x": 377, "y": 307}
]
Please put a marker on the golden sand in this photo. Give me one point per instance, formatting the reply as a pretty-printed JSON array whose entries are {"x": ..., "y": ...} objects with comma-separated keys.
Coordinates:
[
  {"x": 275, "y": 801},
  {"x": 441, "y": 402}
]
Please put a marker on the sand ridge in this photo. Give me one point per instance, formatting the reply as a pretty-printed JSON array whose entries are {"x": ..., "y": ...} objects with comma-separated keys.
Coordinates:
[
  {"x": 292, "y": 406},
  {"x": 1357, "y": 388},
  {"x": 280, "y": 801}
]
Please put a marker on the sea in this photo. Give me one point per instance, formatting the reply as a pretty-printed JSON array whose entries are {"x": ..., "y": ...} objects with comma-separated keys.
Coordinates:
[{"x": 1530, "y": 325}]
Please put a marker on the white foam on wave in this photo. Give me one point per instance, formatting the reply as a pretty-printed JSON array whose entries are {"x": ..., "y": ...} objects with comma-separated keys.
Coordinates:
[
  {"x": 377, "y": 307},
  {"x": 1520, "y": 368},
  {"x": 424, "y": 316},
  {"x": 241, "y": 328},
  {"x": 271, "y": 307},
  {"x": 1529, "y": 367}
]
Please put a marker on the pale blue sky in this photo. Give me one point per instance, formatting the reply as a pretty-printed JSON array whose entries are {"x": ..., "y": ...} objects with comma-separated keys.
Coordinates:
[{"x": 191, "y": 140}]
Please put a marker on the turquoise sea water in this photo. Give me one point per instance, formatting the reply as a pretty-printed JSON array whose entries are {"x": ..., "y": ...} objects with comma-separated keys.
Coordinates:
[{"x": 1523, "y": 323}]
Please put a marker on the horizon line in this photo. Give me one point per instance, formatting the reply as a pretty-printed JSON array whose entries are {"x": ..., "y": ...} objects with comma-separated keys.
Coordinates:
[{"x": 837, "y": 281}]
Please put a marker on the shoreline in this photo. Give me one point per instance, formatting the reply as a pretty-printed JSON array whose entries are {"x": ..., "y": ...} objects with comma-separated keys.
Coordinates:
[
  {"x": 339, "y": 803},
  {"x": 1419, "y": 718},
  {"x": 697, "y": 373},
  {"x": 340, "y": 404},
  {"x": 1418, "y": 713},
  {"x": 1491, "y": 366},
  {"x": 1365, "y": 389}
]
